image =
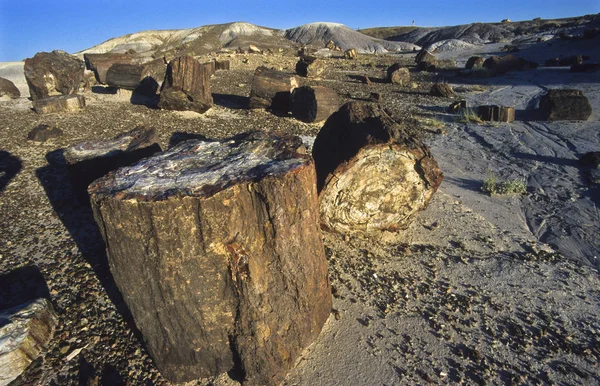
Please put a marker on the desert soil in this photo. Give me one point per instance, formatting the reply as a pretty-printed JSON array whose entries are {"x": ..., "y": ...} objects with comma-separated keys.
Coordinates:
[{"x": 479, "y": 290}]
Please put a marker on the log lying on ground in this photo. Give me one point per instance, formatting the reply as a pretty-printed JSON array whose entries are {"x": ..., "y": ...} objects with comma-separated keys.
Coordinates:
[
  {"x": 565, "y": 105},
  {"x": 371, "y": 174},
  {"x": 310, "y": 67},
  {"x": 186, "y": 86},
  {"x": 425, "y": 57},
  {"x": 272, "y": 89},
  {"x": 443, "y": 90},
  {"x": 314, "y": 104},
  {"x": 498, "y": 65},
  {"x": 397, "y": 74},
  {"x": 141, "y": 77},
  {"x": 495, "y": 113},
  {"x": 100, "y": 63},
  {"x": 90, "y": 160},
  {"x": 474, "y": 62},
  {"x": 24, "y": 333},
  {"x": 59, "y": 104},
  {"x": 216, "y": 249}
]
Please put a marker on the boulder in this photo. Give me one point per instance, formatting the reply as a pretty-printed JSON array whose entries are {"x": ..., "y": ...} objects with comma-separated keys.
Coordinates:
[
  {"x": 25, "y": 330},
  {"x": 396, "y": 74},
  {"x": 443, "y": 90},
  {"x": 186, "y": 86},
  {"x": 216, "y": 249},
  {"x": 474, "y": 62},
  {"x": 53, "y": 73},
  {"x": 252, "y": 49},
  {"x": 372, "y": 174},
  {"x": 424, "y": 56},
  {"x": 502, "y": 64},
  {"x": 8, "y": 88},
  {"x": 562, "y": 105},
  {"x": 59, "y": 104},
  {"x": 272, "y": 89},
  {"x": 42, "y": 133}
]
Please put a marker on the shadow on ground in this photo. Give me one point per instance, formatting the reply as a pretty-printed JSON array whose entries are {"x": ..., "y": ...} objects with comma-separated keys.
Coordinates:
[
  {"x": 10, "y": 166},
  {"x": 236, "y": 102}
]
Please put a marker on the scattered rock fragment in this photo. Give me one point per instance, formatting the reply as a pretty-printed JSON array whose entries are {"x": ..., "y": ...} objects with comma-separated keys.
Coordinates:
[
  {"x": 443, "y": 90},
  {"x": 252, "y": 49},
  {"x": 567, "y": 104},
  {"x": 371, "y": 174},
  {"x": 474, "y": 62},
  {"x": 351, "y": 53},
  {"x": 314, "y": 103},
  {"x": 458, "y": 106},
  {"x": 8, "y": 88},
  {"x": 310, "y": 67},
  {"x": 186, "y": 86},
  {"x": 238, "y": 268},
  {"x": 396, "y": 74},
  {"x": 53, "y": 73},
  {"x": 24, "y": 333},
  {"x": 42, "y": 133},
  {"x": 59, "y": 104}
]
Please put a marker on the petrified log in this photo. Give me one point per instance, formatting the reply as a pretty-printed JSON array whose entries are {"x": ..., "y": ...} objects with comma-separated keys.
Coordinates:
[
  {"x": 565, "y": 105},
  {"x": 351, "y": 53},
  {"x": 310, "y": 67},
  {"x": 372, "y": 174},
  {"x": 425, "y": 57},
  {"x": 90, "y": 160},
  {"x": 216, "y": 249},
  {"x": 397, "y": 74},
  {"x": 503, "y": 64},
  {"x": 24, "y": 333},
  {"x": 100, "y": 63},
  {"x": 585, "y": 67},
  {"x": 495, "y": 113},
  {"x": 8, "y": 88},
  {"x": 314, "y": 103},
  {"x": 221, "y": 65},
  {"x": 59, "y": 104},
  {"x": 474, "y": 62},
  {"x": 143, "y": 78},
  {"x": 443, "y": 90},
  {"x": 272, "y": 89},
  {"x": 211, "y": 67},
  {"x": 186, "y": 86},
  {"x": 53, "y": 73}
]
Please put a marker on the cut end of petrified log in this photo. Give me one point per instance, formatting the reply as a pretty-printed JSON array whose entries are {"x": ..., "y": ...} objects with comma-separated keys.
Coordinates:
[{"x": 198, "y": 168}]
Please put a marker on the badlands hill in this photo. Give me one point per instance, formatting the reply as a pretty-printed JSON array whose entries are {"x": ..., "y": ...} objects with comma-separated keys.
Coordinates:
[{"x": 201, "y": 40}]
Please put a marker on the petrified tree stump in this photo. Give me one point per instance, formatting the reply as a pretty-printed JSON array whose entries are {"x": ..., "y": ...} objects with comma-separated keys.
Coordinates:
[
  {"x": 186, "y": 86},
  {"x": 90, "y": 160},
  {"x": 53, "y": 73},
  {"x": 443, "y": 90},
  {"x": 474, "y": 62},
  {"x": 310, "y": 67},
  {"x": 272, "y": 89},
  {"x": 397, "y": 74},
  {"x": 563, "y": 105},
  {"x": 425, "y": 57},
  {"x": 495, "y": 113},
  {"x": 216, "y": 249},
  {"x": 59, "y": 104},
  {"x": 371, "y": 174},
  {"x": 314, "y": 104}
]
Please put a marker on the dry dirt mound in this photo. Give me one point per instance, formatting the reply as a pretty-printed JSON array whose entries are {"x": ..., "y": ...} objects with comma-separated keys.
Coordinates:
[
  {"x": 449, "y": 45},
  {"x": 343, "y": 37},
  {"x": 476, "y": 33}
]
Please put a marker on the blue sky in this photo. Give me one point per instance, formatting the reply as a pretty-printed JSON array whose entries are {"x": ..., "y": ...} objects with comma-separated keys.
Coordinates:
[{"x": 30, "y": 26}]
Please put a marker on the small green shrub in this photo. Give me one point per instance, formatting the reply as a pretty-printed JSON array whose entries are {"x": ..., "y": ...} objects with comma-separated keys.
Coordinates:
[
  {"x": 492, "y": 186},
  {"x": 468, "y": 115}
]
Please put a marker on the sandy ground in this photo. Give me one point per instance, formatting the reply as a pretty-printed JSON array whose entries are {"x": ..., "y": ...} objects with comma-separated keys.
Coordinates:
[{"x": 479, "y": 290}]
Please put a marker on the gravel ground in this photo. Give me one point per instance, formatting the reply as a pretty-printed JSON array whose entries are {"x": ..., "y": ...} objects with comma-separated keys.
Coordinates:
[{"x": 455, "y": 298}]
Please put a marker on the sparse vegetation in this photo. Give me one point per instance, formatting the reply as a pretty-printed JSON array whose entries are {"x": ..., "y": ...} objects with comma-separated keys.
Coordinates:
[
  {"x": 468, "y": 115},
  {"x": 430, "y": 123},
  {"x": 492, "y": 185}
]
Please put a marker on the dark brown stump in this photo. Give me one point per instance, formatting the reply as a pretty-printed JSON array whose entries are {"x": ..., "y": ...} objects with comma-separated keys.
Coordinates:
[
  {"x": 221, "y": 65},
  {"x": 216, "y": 249},
  {"x": 101, "y": 63},
  {"x": 272, "y": 89},
  {"x": 314, "y": 104},
  {"x": 53, "y": 73},
  {"x": 372, "y": 175},
  {"x": 495, "y": 113},
  {"x": 59, "y": 104},
  {"x": 474, "y": 62},
  {"x": 397, "y": 74},
  {"x": 186, "y": 86},
  {"x": 211, "y": 67},
  {"x": 443, "y": 90},
  {"x": 90, "y": 160},
  {"x": 425, "y": 57},
  {"x": 565, "y": 105}
]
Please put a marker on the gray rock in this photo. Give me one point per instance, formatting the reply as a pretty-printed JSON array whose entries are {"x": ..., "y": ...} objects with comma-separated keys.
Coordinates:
[
  {"x": 24, "y": 332},
  {"x": 53, "y": 73}
]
